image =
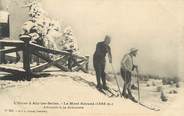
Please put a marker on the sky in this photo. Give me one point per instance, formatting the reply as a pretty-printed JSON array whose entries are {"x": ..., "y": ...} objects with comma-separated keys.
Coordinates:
[{"x": 155, "y": 27}]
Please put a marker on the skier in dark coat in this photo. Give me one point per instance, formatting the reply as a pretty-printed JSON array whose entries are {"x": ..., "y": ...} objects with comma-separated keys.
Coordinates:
[{"x": 102, "y": 48}]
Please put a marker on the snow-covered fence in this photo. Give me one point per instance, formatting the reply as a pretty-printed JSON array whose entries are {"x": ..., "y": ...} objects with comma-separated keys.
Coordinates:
[{"x": 65, "y": 60}]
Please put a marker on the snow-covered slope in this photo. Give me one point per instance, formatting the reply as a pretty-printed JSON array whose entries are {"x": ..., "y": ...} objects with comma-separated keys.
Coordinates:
[{"x": 48, "y": 97}]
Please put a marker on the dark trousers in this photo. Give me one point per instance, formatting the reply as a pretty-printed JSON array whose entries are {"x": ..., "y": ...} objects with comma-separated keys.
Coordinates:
[
  {"x": 126, "y": 75},
  {"x": 99, "y": 67}
]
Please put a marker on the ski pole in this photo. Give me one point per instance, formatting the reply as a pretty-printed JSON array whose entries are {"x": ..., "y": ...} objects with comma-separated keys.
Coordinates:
[
  {"x": 139, "y": 98},
  {"x": 116, "y": 78},
  {"x": 138, "y": 86}
]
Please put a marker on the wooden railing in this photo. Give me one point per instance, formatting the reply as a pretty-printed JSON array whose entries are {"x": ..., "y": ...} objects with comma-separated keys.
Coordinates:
[{"x": 65, "y": 61}]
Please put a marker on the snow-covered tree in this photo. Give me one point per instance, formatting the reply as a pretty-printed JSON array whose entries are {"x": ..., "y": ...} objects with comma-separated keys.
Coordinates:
[{"x": 47, "y": 31}]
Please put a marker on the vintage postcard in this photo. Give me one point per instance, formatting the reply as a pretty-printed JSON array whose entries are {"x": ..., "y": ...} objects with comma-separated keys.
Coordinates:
[{"x": 91, "y": 57}]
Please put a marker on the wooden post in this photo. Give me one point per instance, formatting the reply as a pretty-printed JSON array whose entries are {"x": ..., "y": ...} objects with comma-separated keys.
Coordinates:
[
  {"x": 4, "y": 30},
  {"x": 26, "y": 56},
  {"x": 2, "y": 55},
  {"x": 87, "y": 64},
  {"x": 70, "y": 61}
]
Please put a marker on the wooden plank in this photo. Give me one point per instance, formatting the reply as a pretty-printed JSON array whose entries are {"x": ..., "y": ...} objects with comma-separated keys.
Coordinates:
[
  {"x": 10, "y": 50},
  {"x": 11, "y": 70},
  {"x": 11, "y": 43},
  {"x": 81, "y": 61},
  {"x": 37, "y": 48},
  {"x": 81, "y": 67},
  {"x": 73, "y": 63},
  {"x": 56, "y": 52},
  {"x": 41, "y": 67},
  {"x": 11, "y": 58},
  {"x": 46, "y": 58},
  {"x": 77, "y": 69},
  {"x": 44, "y": 49},
  {"x": 46, "y": 65}
]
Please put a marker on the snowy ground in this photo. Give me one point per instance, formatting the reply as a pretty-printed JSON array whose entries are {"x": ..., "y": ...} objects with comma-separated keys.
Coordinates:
[{"x": 49, "y": 96}]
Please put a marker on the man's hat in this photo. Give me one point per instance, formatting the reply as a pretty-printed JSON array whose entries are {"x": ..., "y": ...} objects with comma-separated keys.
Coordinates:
[
  {"x": 107, "y": 37},
  {"x": 133, "y": 50}
]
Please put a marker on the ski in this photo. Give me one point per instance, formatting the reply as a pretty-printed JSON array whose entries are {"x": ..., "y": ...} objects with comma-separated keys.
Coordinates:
[
  {"x": 106, "y": 93},
  {"x": 149, "y": 107},
  {"x": 114, "y": 92},
  {"x": 109, "y": 93},
  {"x": 139, "y": 98}
]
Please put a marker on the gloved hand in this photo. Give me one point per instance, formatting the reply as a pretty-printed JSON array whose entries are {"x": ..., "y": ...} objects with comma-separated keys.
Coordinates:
[{"x": 136, "y": 68}]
